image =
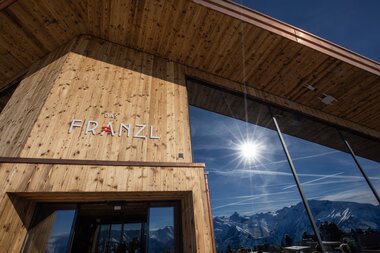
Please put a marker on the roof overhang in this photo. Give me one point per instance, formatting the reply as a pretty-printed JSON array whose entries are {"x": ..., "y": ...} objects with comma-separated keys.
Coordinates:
[{"x": 218, "y": 37}]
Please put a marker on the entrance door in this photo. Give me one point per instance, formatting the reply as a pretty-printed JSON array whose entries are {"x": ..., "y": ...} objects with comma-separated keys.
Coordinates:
[
  {"x": 111, "y": 228},
  {"x": 114, "y": 227}
]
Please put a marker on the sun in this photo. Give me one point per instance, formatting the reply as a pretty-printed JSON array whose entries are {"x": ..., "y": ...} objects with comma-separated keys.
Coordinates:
[{"x": 250, "y": 151}]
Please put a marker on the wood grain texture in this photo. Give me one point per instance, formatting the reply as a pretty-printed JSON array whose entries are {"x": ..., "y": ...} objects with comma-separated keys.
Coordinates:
[
  {"x": 94, "y": 78},
  {"x": 207, "y": 35},
  {"x": 157, "y": 97},
  {"x": 20, "y": 114},
  {"x": 84, "y": 80},
  {"x": 27, "y": 184}
]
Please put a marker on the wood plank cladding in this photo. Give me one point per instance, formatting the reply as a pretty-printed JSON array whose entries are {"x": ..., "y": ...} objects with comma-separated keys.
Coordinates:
[
  {"x": 24, "y": 185},
  {"x": 206, "y": 35},
  {"x": 21, "y": 112},
  {"x": 96, "y": 79}
]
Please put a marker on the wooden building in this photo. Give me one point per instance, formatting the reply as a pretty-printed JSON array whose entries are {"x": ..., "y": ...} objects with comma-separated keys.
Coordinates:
[{"x": 95, "y": 107}]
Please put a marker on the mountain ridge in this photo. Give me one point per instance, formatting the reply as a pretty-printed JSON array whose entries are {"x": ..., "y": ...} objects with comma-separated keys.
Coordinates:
[{"x": 271, "y": 227}]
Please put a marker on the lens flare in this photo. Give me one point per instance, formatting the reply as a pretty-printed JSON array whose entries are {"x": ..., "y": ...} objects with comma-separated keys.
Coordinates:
[{"x": 250, "y": 151}]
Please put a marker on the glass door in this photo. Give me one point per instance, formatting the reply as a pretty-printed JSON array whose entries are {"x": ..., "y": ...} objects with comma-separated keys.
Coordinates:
[
  {"x": 51, "y": 231},
  {"x": 120, "y": 237},
  {"x": 127, "y": 227},
  {"x": 161, "y": 230},
  {"x": 111, "y": 228}
]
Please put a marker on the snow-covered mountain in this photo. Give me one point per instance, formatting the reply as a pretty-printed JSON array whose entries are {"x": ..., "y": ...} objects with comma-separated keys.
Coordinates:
[
  {"x": 270, "y": 228},
  {"x": 161, "y": 240},
  {"x": 347, "y": 215}
]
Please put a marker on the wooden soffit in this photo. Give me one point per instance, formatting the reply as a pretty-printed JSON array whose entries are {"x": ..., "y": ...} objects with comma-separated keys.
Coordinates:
[{"x": 217, "y": 37}]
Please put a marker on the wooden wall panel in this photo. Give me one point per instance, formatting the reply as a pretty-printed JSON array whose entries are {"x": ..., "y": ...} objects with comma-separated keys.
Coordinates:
[
  {"x": 16, "y": 214},
  {"x": 19, "y": 115},
  {"x": 99, "y": 77},
  {"x": 26, "y": 184}
]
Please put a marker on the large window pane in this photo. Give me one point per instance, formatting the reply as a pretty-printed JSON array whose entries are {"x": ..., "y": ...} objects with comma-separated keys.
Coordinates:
[
  {"x": 367, "y": 152},
  {"x": 339, "y": 197},
  {"x": 254, "y": 199},
  {"x": 103, "y": 235},
  {"x": 161, "y": 230},
  {"x": 132, "y": 233},
  {"x": 51, "y": 231}
]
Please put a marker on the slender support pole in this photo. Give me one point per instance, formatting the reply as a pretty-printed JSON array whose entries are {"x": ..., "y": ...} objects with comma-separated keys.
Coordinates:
[
  {"x": 360, "y": 167},
  {"x": 210, "y": 213},
  {"x": 298, "y": 184}
]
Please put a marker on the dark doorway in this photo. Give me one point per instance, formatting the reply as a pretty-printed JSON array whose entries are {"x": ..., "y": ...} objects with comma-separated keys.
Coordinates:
[
  {"x": 107, "y": 227},
  {"x": 111, "y": 228}
]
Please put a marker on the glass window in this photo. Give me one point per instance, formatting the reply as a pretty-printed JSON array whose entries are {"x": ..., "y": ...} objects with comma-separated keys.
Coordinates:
[
  {"x": 132, "y": 233},
  {"x": 161, "y": 230},
  {"x": 255, "y": 203},
  {"x": 51, "y": 232},
  {"x": 339, "y": 197},
  {"x": 115, "y": 241},
  {"x": 103, "y": 238},
  {"x": 112, "y": 227},
  {"x": 367, "y": 152}
]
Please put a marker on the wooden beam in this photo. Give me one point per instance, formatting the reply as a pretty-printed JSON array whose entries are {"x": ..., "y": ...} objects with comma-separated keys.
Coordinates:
[{"x": 98, "y": 162}]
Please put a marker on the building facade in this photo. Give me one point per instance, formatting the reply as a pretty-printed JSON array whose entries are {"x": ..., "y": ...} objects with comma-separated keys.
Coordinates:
[{"x": 182, "y": 126}]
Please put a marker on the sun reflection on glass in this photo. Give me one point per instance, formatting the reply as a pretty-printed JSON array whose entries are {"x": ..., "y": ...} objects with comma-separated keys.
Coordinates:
[{"x": 250, "y": 151}]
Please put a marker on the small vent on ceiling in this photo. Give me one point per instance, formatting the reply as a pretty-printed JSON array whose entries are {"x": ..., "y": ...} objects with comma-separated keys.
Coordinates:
[
  {"x": 327, "y": 99},
  {"x": 310, "y": 87}
]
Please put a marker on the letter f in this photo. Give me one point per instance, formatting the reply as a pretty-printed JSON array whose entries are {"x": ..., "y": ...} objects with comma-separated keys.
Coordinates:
[{"x": 74, "y": 123}]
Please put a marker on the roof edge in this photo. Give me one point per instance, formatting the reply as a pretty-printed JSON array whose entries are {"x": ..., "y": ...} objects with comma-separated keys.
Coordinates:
[{"x": 290, "y": 32}]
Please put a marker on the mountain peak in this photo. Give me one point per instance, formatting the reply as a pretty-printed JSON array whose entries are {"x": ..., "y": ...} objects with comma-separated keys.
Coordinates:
[
  {"x": 238, "y": 230},
  {"x": 235, "y": 216}
]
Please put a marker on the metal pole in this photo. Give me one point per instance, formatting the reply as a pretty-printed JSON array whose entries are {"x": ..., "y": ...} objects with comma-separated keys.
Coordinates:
[
  {"x": 360, "y": 167},
  {"x": 304, "y": 200},
  {"x": 210, "y": 213}
]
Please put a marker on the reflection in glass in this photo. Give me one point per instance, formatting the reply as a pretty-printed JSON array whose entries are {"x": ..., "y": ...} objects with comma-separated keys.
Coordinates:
[
  {"x": 51, "y": 232},
  {"x": 132, "y": 234},
  {"x": 161, "y": 230},
  {"x": 372, "y": 169},
  {"x": 115, "y": 238},
  {"x": 119, "y": 238},
  {"x": 103, "y": 236},
  {"x": 255, "y": 203},
  {"x": 367, "y": 153},
  {"x": 344, "y": 207}
]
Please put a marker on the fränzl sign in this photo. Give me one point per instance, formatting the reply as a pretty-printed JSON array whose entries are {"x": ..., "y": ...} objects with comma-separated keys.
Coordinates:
[{"x": 142, "y": 131}]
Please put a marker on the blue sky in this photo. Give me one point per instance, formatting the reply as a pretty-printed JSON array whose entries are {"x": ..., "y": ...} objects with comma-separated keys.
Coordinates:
[
  {"x": 266, "y": 184},
  {"x": 326, "y": 174},
  {"x": 353, "y": 24}
]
